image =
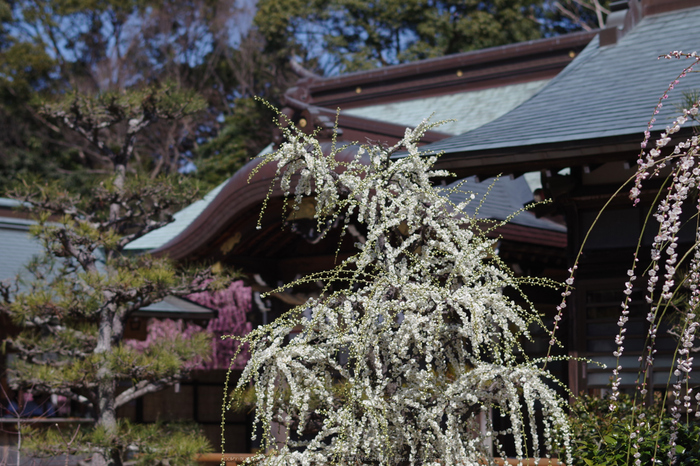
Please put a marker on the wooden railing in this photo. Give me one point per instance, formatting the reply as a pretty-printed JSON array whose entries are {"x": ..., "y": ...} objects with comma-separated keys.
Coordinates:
[
  {"x": 531, "y": 462},
  {"x": 234, "y": 459},
  {"x": 231, "y": 459}
]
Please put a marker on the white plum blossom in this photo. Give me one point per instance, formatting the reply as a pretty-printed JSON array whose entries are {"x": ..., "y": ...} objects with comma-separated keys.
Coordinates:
[{"x": 412, "y": 343}]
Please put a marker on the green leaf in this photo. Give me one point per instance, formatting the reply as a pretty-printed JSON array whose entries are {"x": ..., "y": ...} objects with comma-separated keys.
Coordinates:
[{"x": 609, "y": 440}]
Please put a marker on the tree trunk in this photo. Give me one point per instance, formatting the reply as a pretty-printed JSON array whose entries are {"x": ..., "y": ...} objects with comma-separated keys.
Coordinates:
[
  {"x": 119, "y": 178},
  {"x": 105, "y": 411}
]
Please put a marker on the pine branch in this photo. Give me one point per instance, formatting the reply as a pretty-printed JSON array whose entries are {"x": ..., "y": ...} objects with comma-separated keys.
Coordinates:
[
  {"x": 142, "y": 388},
  {"x": 150, "y": 226},
  {"x": 83, "y": 255},
  {"x": 86, "y": 284},
  {"x": 79, "y": 388},
  {"x": 37, "y": 355},
  {"x": 80, "y": 398}
]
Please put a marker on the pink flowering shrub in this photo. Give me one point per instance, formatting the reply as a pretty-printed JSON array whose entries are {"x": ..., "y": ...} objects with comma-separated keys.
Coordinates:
[
  {"x": 233, "y": 305},
  {"x": 169, "y": 330}
]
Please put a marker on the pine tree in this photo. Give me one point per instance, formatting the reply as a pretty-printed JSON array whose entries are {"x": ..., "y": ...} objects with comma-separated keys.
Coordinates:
[{"x": 73, "y": 304}]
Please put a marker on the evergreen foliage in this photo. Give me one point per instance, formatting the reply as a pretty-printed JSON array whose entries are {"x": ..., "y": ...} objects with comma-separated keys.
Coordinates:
[
  {"x": 73, "y": 304},
  {"x": 352, "y": 35},
  {"x": 603, "y": 438}
]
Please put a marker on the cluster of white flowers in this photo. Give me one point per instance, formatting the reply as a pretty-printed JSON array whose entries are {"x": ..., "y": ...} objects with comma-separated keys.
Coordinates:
[{"x": 412, "y": 341}]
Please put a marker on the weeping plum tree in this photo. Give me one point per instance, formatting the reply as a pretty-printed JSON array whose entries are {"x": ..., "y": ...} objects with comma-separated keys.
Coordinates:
[
  {"x": 413, "y": 342},
  {"x": 664, "y": 432},
  {"x": 73, "y": 305}
]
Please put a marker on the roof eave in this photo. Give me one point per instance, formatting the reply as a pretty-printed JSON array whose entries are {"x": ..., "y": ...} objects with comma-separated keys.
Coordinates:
[{"x": 521, "y": 159}]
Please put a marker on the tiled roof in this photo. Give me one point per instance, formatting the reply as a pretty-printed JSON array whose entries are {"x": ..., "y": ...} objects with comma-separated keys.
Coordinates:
[
  {"x": 502, "y": 197},
  {"x": 470, "y": 110},
  {"x": 183, "y": 218},
  {"x": 605, "y": 92}
]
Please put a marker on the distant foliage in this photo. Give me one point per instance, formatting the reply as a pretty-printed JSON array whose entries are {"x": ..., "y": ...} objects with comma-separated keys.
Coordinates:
[
  {"x": 350, "y": 35},
  {"x": 50, "y": 48},
  {"x": 338, "y": 36}
]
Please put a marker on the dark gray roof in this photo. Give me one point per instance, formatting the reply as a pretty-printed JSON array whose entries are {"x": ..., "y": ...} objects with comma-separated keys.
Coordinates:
[
  {"x": 502, "y": 197},
  {"x": 176, "y": 308},
  {"x": 17, "y": 246},
  {"x": 605, "y": 92}
]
